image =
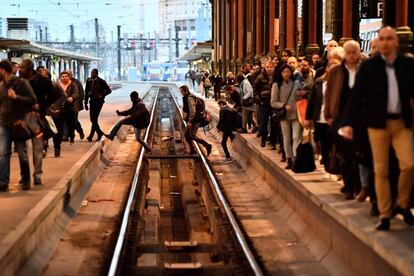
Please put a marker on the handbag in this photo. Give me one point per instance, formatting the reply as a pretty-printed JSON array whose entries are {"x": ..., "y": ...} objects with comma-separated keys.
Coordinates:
[
  {"x": 304, "y": 161},
  {"x": 280, "y": 113},
  {"x": 333, "y": 164},
  {"x": 247, "y": 102},
  {"x": 20, "y": 131}
]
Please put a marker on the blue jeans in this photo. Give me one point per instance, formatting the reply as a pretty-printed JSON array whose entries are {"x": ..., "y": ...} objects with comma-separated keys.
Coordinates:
[{"x": 5, "y": 153}]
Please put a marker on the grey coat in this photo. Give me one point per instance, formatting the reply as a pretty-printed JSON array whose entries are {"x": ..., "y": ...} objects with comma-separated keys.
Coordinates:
[{"x": 279, "y": 97}]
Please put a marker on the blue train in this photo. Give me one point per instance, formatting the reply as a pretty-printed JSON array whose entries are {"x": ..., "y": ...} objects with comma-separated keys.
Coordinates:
[{"x": 162, "y": 71}]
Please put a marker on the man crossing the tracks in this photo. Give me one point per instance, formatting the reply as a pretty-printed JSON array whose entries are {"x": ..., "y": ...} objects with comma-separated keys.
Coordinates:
[
  {"x": 137, "y": 115},
  {"x": 193, "y": 108},
  {"x": 95, "y": 92}
]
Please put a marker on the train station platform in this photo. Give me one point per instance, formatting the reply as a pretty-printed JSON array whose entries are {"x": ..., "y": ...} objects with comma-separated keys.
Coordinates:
[
  {"x": 25, "y": 216},
  {"x": 340, "y": 234}
]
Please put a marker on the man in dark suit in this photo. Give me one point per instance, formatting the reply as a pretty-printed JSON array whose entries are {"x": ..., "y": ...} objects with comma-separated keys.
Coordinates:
[
  {"x": 226, "y": 124},
  {"x": 96, "y": 90},
  {"x": 384, "y": 95}
]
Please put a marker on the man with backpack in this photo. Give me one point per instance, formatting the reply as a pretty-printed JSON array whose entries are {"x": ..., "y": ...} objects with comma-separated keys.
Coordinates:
[
  {"x": 194, "y": 115},
  {"x": 137, "y": 115},
  {"x": 228, "y": 121}
]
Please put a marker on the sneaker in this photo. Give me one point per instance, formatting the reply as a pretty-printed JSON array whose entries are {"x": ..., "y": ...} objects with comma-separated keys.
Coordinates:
[{"x": 208, "y": 148}]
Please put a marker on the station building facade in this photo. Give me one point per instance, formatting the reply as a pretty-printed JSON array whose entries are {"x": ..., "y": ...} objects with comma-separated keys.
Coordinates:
[{"x": 245, "y": 30}]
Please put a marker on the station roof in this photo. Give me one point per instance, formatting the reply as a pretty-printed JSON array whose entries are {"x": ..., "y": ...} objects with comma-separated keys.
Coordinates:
[
  {"x": 35, "y": 48},
  {"x": 198, "y": 51}
]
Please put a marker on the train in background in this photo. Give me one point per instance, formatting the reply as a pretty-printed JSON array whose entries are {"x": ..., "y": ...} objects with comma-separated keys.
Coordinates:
[{"x": 164, "y": 71}]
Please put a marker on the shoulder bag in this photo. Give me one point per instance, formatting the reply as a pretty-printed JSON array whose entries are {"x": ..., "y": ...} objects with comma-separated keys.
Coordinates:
[{"x": 280, "y": 113}]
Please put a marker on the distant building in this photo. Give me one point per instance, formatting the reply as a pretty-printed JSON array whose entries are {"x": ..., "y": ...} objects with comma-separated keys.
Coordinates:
[
  {"x": 147, "y": 22},
  {"x": 192, "y": 20}
]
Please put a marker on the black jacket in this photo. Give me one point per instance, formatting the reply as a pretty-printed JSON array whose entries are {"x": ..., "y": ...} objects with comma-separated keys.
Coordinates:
[
  {"x": 96, "y": 89},
  {"x": 44, "y": 91},
  {"x": 261, "y": 89},
  {"x": 138, "y": 115},
  {"x": 15, "y": 109},
  {"x": 313, "y": 110},
  {"x": 227, "y": 119},
  {"x": 81, "y": 93},
  {"x": 370, "y": 95}
]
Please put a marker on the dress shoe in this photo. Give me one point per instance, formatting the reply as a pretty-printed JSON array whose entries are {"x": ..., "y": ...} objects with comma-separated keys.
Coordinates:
[
  {"x": 349, "y": 195},
  {"x": 343, "y": 190},
  {"x": 99, "y": 137},
  {"x": 65, "y": 139},
  {"x": 26, "y": 186},
  {"x": 57, "y": 152},
  {"x": 289, "y": 164},
  {"x": 258, "y": 134},
  {"x": 243, "y": 130},
  {"x": 71, "y": 140},
  {"x": 383, "y": 224},
  {"x": 110, "y": 137},
  {"x": 255, "y": 129},
  {"x": 81, "y": 135},
  {"x": 363, "y": 194},
  {"x": 37, "y": 181},
  {"x": 89, "y": 138},
  {"x": 263, "y": 144},
  {"x": 406, "y": 213},
  {"x": 374, "y": 212},
  {"x": 4, "y": 188},
  {"x": 208, "y": 148}
]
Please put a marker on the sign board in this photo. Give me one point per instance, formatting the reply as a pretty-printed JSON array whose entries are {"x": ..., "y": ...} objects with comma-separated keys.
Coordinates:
[{"x": 371, "y": 8}]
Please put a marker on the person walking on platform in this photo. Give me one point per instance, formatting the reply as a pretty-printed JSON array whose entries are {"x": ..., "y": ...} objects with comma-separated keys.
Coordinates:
[
  {"x": 339, "y": 87},
  {"x": 43, "y": 90},
  {"x": 137, "y": 116},
  {"x": 79, "y": 102},
  {"x": 95, "y": 91},
  {"x": 384, "y": 95},
  {"x": 71, "y": 105},
  {"x": 226, "y": 124},
  {"x": 192, "y": 111},
  {"x": 16, "y": 101}
]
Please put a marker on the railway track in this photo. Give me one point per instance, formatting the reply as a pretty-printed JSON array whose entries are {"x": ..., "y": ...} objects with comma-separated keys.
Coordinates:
[{"x": 177, "y": 220}]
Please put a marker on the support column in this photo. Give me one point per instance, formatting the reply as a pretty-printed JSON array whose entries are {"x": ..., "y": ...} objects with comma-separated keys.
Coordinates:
[
  {"x": 240, "y": 32},
  {"x": 259, "y": 29},
  {"x": 254, "y": 29},
  {"x": 350, "y": 22},
  {"x": 404, "y": 32},
  {"x": 245, "y": 25},
  {"x": 291, "y": 15},
  {"x": 309, "y": 17},
  {"x": 271, "y": 23},
  {"x": 336, "y": 19}
]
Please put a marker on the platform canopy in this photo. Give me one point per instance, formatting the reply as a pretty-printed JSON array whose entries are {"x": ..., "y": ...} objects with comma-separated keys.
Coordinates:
[
  {"x": 14, "y": 45},
  {"x": 201, "y": 50}
]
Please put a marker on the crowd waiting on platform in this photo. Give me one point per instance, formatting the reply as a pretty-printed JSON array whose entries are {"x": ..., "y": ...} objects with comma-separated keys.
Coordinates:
[
  {"x": 360, "y": 110},
  {"x": 33, "y": 107}
]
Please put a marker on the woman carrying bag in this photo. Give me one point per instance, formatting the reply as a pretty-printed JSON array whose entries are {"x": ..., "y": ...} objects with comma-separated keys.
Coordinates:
[{"x": 283, "y": 99}]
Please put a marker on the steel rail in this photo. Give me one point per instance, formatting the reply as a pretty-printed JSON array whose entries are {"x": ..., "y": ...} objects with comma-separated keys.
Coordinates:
[
  {"x": 122, "y": 232},
  {"x": 239, "y": 234}
]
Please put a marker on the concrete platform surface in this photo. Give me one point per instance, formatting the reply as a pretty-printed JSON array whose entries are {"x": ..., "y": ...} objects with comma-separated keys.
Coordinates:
[
  {"x": 395, "y": 247},
  {"x": 18, "y": 204}
]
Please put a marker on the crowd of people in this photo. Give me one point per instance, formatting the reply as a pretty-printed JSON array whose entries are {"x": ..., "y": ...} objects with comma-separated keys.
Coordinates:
[
  {"x": 33, "y": 107},
  {"x": 359, "y": 107}
]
